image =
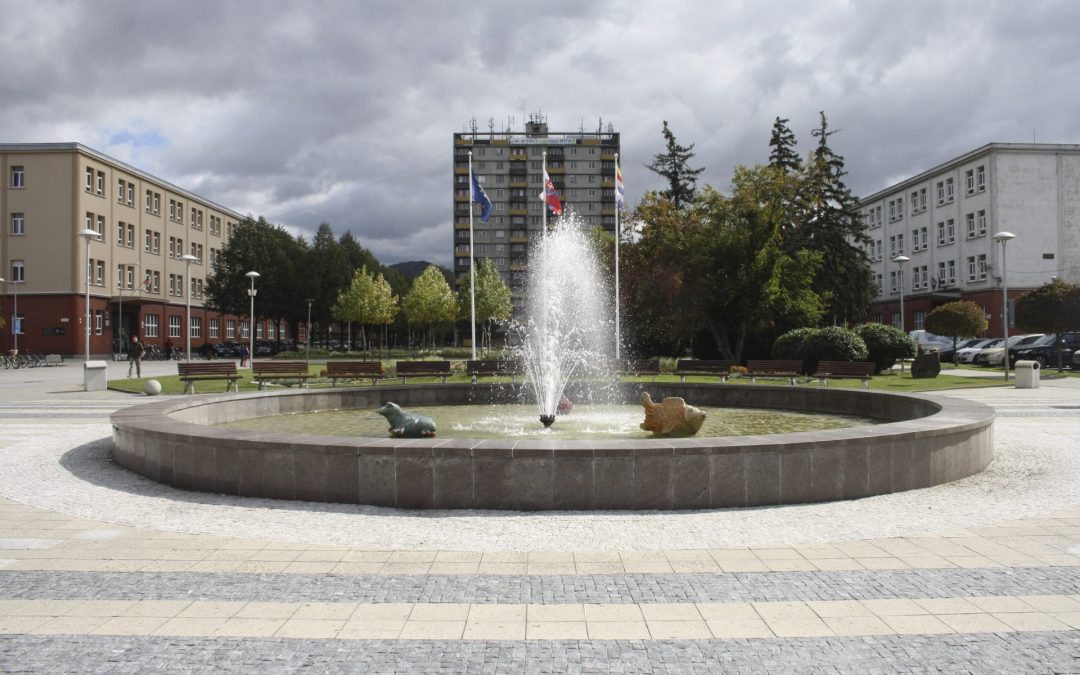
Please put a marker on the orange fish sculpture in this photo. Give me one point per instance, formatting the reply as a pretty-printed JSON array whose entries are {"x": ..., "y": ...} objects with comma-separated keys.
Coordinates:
[{"x": 670, "y": 417}]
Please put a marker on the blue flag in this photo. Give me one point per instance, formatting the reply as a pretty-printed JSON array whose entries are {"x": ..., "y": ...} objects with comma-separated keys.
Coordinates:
[{"x": 481, "y": 198}]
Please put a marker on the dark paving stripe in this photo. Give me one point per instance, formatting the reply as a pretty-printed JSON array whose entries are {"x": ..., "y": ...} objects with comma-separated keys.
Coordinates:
[
  {"x": 981, "y": 653},
  {"x": 540, "y": 589}
]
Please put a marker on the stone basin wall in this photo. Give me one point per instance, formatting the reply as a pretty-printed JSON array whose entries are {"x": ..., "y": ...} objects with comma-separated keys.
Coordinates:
[{"x": 925, "y": 440}]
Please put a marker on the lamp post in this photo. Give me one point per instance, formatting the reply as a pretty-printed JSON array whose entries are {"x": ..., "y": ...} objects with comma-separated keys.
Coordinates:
[
  {"x": 251, "y": 292},
  {"x": 188, "y": 259},
  {"x": 16, "y": 325},
  {"x": 87, "y": 233},
  {"x": 900, "y": 260},
  {"x": 307, "y": 330},
  {"x": 1003, "y": 238},
  {"x": 2, "y": 280}
]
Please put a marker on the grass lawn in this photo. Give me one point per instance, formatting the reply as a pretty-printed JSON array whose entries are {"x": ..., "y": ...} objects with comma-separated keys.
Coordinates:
[{"x": 171, "y": 384}]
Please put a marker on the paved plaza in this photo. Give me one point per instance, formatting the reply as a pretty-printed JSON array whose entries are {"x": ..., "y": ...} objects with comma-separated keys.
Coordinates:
[{"x": 104, "y": 571}]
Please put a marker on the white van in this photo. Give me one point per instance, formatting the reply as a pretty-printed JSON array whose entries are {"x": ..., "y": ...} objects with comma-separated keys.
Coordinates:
[{"x": 928, "y": 341}]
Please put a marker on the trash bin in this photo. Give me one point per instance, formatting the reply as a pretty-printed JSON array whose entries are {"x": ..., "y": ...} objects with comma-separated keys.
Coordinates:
[
  {"x": 1027, "y": 374},
  {"x": 96, "y": 376}
]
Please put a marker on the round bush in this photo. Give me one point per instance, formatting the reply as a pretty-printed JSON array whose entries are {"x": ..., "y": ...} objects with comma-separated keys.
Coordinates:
[
  {"x": 833, "y": 344},
  {"x": 792, "y": 344},
  {"x": 887, "y": 344}
]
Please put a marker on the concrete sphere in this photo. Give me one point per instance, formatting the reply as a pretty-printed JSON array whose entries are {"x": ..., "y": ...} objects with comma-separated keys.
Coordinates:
[{"x": 152, "y": 387}]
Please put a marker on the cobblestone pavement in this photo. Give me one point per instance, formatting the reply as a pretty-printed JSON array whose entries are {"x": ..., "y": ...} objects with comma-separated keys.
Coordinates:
[{"x": 103, "y": 571}]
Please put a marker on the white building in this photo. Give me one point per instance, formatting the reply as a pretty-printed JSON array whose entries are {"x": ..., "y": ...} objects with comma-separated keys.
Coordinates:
[{"x": 944, "y": 220}]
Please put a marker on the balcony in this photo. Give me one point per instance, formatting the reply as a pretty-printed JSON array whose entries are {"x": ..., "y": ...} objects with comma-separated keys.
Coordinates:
[{"x": 518, "y": 157}]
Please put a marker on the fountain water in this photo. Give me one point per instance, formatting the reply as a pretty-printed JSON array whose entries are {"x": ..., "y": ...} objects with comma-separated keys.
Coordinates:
[{"x": 568, "y": 328}]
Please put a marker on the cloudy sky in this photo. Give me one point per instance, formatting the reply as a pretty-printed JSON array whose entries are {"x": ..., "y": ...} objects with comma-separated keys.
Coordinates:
[{"x": 342, "y": 111}]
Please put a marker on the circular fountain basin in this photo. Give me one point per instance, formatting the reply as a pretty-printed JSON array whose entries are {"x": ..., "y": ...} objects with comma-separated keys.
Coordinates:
[{"x": 921, "y": 440}]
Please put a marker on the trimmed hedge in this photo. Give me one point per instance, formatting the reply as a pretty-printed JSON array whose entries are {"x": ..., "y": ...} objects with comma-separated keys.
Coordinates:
[
  {"x": 887, "y": 344},
  {"x": 819, "y": 344}
]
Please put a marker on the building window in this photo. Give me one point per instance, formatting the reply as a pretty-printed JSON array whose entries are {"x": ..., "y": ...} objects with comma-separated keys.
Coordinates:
[
  {"x": 18, "y": 224},
  {"x": 174, "y": 326},
  {"x": 230, "y": 328},
  {"x": 880, "y": 283},
  {"x": 157, "y": 203},
  {"x": 149, "y": 201},
  {"x": 99, "y": 322},
  {"x": 977, "y": 267},
  {"x": 100, "y": 183},
  {"x": 157, "y": 282},
  {"x": 150, "y": 325},
  {"x": 245, "y": 329},
  {"x": 131, "y": 194},
  {"x": 18, "y": 177},
  {"x": 172, "y": 284},
  {"x": 949, "y": 189},
  {"x": 258, "y": 331},
  {"x": 89, "y": 179},
  {"x": 196, "y": 326},
  {"x": 920, "y": 319},
  {"x": 940, "y": 192},
  {"x": 99, "y": 272},
  {"x": 119, "y": 276},
  {"x": 980, "y": 222},
  {"x": 980, "y": 178},
  {"x": 131, "y": 276},
  {"x": 18, "y": 271},
  {"x": 969, "y": 181},
  {"x": 215, "y": 328},
  {"x": 120, "y": 190},
  {"x": 892, "y": 281}
]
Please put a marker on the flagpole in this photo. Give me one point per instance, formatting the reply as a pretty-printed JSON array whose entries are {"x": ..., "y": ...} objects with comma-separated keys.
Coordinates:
[
  {"x": 472, "y": 264},
  {"x": 618, "y": 235},
  {"x": 543, "y": 194}
]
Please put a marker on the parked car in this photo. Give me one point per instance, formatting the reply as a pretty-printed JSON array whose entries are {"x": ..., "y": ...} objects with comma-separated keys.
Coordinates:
[
  {"x": 224, "y": 350},
  {"x": 967, "y": 354},
  {"x": 1076, "y": 360},
  {"x": 1045, "y": 351},
  {"x": 996, "y": 355}
]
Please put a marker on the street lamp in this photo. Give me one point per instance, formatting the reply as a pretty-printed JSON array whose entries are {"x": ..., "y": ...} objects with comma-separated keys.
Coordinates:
[
  {"x": 900, "y": 260},
  {"x": 1004, "y": 238},
  {"x": 251, "y": 292},
  {"x": 87, "y": 233},
  {"x": 188, "y": 259},
  {"x": 16, "y": 325},
  {"x": 307, "y": 330}
]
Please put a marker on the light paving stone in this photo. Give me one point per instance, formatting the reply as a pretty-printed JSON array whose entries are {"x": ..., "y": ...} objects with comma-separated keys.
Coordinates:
[
  {"x": 310, "y": 628},
  {"x": 668, "y": 612},
  {"x": 771, "y": 611},
  {"x": 1030, "y": 621},
  {"x": 21, "y": 623},
  {"x": 974, "y": 623},
  {"x": 799, "y": 627},
  {"x": 1070, "y": 619},
  {"x": 739, "y": 628},
  {"x": 494, "y": 631},
  {"x": 894, "y": 607},
  {"x": 62, "y": 625},
  {"x": 618, "y": 630},
  {"x": 1051, "y": 603},
  {"x": 389, "y": 611},
  {"x": 679, "y": 630},
  {"x": 557, "y": 630},
  {"x": 1000, "y": 604},
  {"x": 249, "y": 627},
  {"x": 916, "y": 625},
  {"x": 432, "y": 630},
  {"x": 497, "y": 613},
  {"x": 839, "y": 608},
  {"x": 106, "y": 608},
  {"x": 164, "y": 609},
  {"x": 947, "y": 605},
  {"x": 609, "y": 612},
  {"x": 857, "y": 625},
  {"x": 191, "y": 626},
  {"x": 439, "y": 612},
  {"x": 325, "y": 610},
  {"x": 130, "y": 625},
  {"x": 555, "y": 613},
  {"x": 210, "y": 609},
  {"x": 722, "y": 611},
  {"x": 458, "y": 557}
]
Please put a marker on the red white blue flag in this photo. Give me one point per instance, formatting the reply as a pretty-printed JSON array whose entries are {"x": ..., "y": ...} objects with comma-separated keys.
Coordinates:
[
  {"x": 549, "y": 196},
  {"x": 620, "y": 198}
]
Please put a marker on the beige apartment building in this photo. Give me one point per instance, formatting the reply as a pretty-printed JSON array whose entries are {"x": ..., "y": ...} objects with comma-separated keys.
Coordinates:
[
  {"x": 509, "y": 166},
  {"x": 138, "y": 281}
]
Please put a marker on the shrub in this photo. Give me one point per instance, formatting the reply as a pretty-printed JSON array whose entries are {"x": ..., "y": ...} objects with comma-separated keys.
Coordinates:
[
  {"x": 833, "y": 344},
  {"x": 886, "y": 344},
  {"x": 792, "y": 344}
]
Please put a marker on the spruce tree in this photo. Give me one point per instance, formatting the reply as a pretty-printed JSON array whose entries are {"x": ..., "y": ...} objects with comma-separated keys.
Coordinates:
[
  {"x": 832, "y": 224},
  {"x": 672, "y": 165},
  {"x": 783, "y": 155}
]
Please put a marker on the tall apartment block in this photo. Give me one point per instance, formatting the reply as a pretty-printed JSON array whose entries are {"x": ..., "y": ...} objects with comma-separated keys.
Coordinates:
[
  {"x": 944, "y": 220},
  {"x": 509, "y": 165},
  {"x": 144, "y": 227}
]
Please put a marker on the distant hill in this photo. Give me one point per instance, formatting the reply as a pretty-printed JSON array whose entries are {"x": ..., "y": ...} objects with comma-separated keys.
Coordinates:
[{"x": 411, "y": 269}]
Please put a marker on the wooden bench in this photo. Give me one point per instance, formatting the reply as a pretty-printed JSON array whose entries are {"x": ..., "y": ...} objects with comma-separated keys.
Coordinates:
[
  {"x": 269, "y": 371},
  {"x": 193, "y": 372},
  {"x": 716, "y": 367},
  {"x": 789, "y": 368},
  {"x": 354, "y": 370},
  {"x": 480, "y": 368},
  {"x": 406, "y": 369},
  {"x": 863, "y": 370},
  {"x": 640, "y": 367}
]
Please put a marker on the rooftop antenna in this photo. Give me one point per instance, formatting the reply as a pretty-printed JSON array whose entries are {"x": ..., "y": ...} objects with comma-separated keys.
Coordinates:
[
  {"x": 491, "y": 127},
  {"x": 472, "y": 124},
  {"x": 599, "y": 124},
  {"x": 523, "y": 109}
]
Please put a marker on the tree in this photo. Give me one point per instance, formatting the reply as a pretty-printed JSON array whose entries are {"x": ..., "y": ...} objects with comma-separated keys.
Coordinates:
[
  {"x": 329, "y": 272},
  {"x": 367, "y": 301},
  {"x": 430, "y": 301},
  {"x": 493, "y": 300},
  {"x": 958, "y": 319},
  {"x": 826, "y": 219},
  {"x": 783, "y": 155},
  {"x": 886, "y": 344},
  {"x": 384, "y": 307},
  {"x": 1053, "y": 307},
  {"x": 673, "y": 166}
]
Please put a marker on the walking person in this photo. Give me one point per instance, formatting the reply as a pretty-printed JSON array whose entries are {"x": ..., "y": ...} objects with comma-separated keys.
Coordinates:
[{"x": 135, "y": 354}]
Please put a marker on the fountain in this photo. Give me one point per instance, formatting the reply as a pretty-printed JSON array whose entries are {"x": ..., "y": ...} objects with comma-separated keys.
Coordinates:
[
  {"x": 920, "y": 440},
  {"x": 568, "y": 328}
]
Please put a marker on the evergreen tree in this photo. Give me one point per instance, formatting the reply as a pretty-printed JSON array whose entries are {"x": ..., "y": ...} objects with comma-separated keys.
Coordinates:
[
  {"x": 783, "y": 155},
  {"x": 672, "y": 165},
  {"x": 829, "y": 222}
]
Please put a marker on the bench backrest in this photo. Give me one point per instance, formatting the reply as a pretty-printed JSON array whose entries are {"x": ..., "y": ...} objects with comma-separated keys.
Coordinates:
[
  {"x": 774, "y": 365},
  {"x": 648, "y": 366},
  {"x": 422, "y": 367},
  {"x": 279, "y": 368},
  {"x": 354, "y": 367},
  {"x": 207, "y": 368},
  {"x": 496, "y": 367},
  {"x": 846, "y": 367},
  {"x": 704, "y": 365}
]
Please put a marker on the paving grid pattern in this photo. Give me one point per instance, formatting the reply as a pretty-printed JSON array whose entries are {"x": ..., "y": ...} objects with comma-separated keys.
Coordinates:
[
  {"x": 75, "y": 538},
  {"x": 544, "y": 589},
  {"x": 1015, "y": 653}
]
